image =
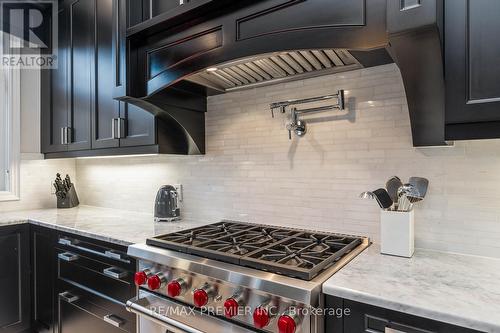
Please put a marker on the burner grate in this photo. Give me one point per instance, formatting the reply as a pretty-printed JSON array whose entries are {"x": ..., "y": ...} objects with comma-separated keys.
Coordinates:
[{"x": 285, "y": 251}]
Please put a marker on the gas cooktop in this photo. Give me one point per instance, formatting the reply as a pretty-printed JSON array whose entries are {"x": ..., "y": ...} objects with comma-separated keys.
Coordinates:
[{"x": 291, "y": 252}]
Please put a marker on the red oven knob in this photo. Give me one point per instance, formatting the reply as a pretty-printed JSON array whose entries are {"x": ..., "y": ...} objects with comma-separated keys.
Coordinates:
[
  {"x": 286, "y": 324},
  {"x": 176, "y": 287},
  {"x": 231, "y": 307},
  {"x": 261, "y": 317},
  {"x": 155, "y": 282},
  {"x": 140, "y": 278},
  {"x": 200, "y": 297}
]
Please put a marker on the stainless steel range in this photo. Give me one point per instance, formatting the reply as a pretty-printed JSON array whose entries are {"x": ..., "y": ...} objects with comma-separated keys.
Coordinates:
[{"x": 237, "y": 277}]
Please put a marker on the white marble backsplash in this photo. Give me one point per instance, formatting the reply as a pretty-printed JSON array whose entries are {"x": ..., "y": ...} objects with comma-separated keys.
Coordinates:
[{"x": 253, "y": 172}]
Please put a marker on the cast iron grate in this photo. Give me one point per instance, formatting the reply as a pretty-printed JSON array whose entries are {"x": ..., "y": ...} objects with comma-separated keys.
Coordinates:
[{"x": 286, "y": 251}]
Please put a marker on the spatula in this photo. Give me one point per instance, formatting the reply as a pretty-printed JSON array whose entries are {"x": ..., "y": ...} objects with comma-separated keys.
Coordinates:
[
  {"x": 392, "y": 186},
  {"x": 421, "y": 184},
  {"x": 383, "y": 198}
]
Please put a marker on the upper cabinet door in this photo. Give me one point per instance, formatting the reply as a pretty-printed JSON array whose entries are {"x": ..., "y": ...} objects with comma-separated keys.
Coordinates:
[
  {"x": 139, "y": 126},
  {"x": 106, "y": 112},
  {"x": 472, "y": 61},
  {"x": 54, "y": 92},
  {"x": 81, "y": 75}
]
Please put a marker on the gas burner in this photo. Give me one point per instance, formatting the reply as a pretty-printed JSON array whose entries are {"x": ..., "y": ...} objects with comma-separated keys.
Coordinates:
[{"x": 285, "y": 251}]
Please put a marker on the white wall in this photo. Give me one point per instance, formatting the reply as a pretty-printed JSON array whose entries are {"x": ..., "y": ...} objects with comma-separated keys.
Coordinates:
[
  {"x": 30, "y": 113},
  {"x": 253, "y": 172},
  {"x": 36, "y": 173}
]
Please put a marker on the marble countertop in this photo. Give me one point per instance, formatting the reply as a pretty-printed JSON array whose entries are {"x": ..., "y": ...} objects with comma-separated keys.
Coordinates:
[
  {"x": 111, "y": 225},
  {"x": 452, "y": 288}
]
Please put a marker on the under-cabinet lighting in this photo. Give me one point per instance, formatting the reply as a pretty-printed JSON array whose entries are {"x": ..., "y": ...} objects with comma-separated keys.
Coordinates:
[
  {"x": 113, "y": 156},
  {"x": 212, "y": 69}
]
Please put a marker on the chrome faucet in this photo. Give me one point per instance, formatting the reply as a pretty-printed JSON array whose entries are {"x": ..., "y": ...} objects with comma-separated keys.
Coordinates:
[
  {"x": 299, "y": 126},
  {"x": 295, "y": 124}
]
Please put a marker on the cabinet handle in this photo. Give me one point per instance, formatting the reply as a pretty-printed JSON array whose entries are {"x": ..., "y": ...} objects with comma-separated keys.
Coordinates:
[
  {"x": 68, "y": 297},
  {"x": 410, "y": 4},
  {"x": 117, "y": 128},
  {"x": 121, "y": 128},
  {"x": 113, "y": 128},
  {"x": 114, "y": 320},
  {"x": 67, "y": 256},
  {"x": 115, "y": 272},
  {"x": 65, "y": 241},
  {"x": 68, "y": 135},
  {"x": 113, "y": 255}
]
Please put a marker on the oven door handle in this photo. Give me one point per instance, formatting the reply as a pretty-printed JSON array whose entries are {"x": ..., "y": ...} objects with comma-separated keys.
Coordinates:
[
  {"x": 173, "y": 316},
  {"x": 171, "y": 324}
]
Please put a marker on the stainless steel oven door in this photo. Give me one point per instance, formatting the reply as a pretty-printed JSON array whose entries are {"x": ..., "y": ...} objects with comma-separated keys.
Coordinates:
[{"x": 159, "y": 315}]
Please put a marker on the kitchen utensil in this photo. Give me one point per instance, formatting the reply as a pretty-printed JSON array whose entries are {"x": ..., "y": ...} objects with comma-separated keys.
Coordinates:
[
  {"x": 421, "y": 184},
  {"x": 167, "y": 204},
  {"x": 404, "y": 192},
  {"x": 65, "y": 192},
  {"x": 367, "y": 195},
  {"x": 383, "y": 198},
  {"x": 392, "y": 186}
]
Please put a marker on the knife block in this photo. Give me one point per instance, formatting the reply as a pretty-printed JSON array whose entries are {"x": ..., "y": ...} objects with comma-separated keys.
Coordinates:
[
  {"x": 70, "y": 200},
  {"x": 397, "y": 233}
]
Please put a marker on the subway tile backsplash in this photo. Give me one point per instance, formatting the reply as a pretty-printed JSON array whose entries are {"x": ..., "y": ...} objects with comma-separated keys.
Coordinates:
[{"x": 252, "y": 172}]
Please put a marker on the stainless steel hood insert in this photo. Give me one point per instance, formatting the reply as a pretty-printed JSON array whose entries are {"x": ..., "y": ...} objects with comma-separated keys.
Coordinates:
[{"x": 275, "y": 68}]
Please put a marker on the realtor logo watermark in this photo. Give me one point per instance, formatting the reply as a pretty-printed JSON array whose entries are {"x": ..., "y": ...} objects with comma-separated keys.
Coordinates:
[{"x": 29, "y": 34}]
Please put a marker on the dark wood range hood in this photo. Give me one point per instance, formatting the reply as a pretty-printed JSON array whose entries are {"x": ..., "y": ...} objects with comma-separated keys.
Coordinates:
[{"x": 168, "y": 55}]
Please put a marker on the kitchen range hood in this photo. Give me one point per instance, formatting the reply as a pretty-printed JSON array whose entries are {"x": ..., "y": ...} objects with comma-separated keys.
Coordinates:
[
  {"x": 223, "y": 46},
  {"x": 275, "y": 68}
]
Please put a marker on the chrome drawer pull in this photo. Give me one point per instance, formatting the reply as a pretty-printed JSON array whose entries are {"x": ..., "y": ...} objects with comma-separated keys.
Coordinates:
[
  {"x": 67, "y": 256},
  {"x": 392, "y": 330},
  {"x": 114, "y": 320},
  {"x": 115, "y": 272},
  {"x": 113, "y": 255},
  {"x": 65, "y": 241},
  {"x": 68, "y": 297}
]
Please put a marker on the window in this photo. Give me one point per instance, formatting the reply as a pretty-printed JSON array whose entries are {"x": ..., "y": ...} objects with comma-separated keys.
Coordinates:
[{"x": 9, "y": 133}]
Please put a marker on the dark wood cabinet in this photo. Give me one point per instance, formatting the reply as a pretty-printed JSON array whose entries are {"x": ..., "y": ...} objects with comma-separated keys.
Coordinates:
[
  {"x": 14, "y": 278},
  {"x": 55, "y": 93},
  {"x": 154, "y": 8},
  {"x": 139, "y": 126},
  {"x": 94, "y": 280},
  {"x": 363, "y": 318},
  {"x": 81, "y": 116},
  {"x": 67, "y": 94},
  {"x": 79, "y": 284},
  {"x": 107, "y": 110},
  {"x": 472, "y": 69},
  {"x": 81, "y": 75},
  {"x": 43, "y": 279}
]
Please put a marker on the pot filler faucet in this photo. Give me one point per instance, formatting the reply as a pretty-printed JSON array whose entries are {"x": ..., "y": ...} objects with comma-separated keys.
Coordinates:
[{"x": 295, "y": 124}]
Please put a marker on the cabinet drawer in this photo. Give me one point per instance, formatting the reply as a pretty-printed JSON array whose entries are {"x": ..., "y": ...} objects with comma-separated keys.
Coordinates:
[
  {"x": 364, "y": 318},
  {"x": 95, "y": 249},
  {"x": 98, "y": 277},
  {"x": 79, "y": 314}
]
